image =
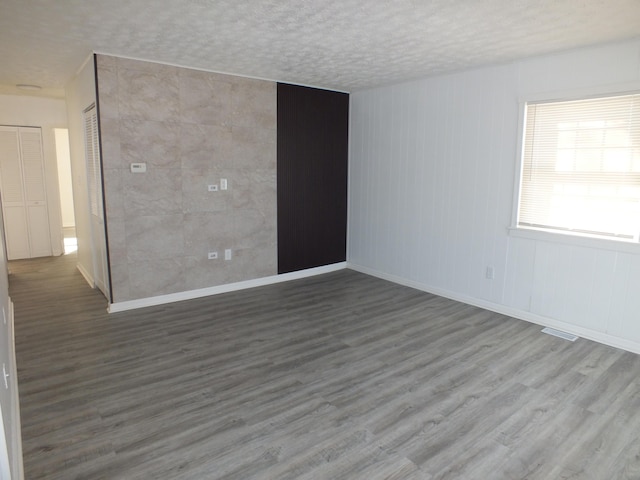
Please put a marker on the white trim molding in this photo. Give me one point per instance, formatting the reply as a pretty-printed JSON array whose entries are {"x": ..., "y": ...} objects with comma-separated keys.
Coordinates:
[
  {"x": 586, "y": 333},
  {"x": 86, "y": 275},
  {"x": 230, "y": 287}
]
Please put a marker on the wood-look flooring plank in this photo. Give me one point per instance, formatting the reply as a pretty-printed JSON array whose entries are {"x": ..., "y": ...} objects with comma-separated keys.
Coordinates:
[{"x": 340, "y": 376}]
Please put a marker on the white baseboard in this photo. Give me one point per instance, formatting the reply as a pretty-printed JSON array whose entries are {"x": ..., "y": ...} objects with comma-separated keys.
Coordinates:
[
  {"x": 230, "y": 287},
  {"x": 587, "y": 333},
  {"x": 86, "y": 275}
]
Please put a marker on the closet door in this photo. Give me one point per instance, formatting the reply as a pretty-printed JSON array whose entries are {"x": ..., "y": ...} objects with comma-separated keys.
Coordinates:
[
  {"x": 24, "y": 200},
  {"x": 35, "y": 192},
  {"x": 13, "y": 204}
]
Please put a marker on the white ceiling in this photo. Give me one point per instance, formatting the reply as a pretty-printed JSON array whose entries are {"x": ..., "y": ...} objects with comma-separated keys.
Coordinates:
[{"x": 339, "y": 44}]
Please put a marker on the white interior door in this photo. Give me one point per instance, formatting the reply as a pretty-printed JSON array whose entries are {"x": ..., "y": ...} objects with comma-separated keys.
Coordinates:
[
  {"x": 24, "y": 197},
  {"x": 94, "y": 183}
]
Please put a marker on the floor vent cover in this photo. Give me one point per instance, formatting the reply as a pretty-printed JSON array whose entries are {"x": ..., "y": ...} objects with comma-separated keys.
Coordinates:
[{"x": 560, "y": 334}]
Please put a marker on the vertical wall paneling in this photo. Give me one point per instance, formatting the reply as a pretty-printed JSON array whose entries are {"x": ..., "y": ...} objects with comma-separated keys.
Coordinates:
[
  {"x": 431, "y": 186},
  {"x": 312, "y": 177}
]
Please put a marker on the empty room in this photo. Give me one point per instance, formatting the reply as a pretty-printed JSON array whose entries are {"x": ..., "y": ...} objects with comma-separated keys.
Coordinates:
[{"x": 320, "y": 240}]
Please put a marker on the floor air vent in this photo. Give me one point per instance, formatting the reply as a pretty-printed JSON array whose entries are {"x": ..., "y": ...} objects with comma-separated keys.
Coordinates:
[{"x": 560, "y": 334}]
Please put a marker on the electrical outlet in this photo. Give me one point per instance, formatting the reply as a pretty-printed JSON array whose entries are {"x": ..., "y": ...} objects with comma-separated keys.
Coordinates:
[
  {"x": 227, "y": 254},
  {"x": 212, "y": 255},
  {"x": 213, "y": 188},
  {"x": 490, "y": 274}
]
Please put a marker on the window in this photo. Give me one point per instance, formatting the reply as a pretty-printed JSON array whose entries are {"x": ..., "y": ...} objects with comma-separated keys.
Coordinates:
[{"x": 581, "y": 167}]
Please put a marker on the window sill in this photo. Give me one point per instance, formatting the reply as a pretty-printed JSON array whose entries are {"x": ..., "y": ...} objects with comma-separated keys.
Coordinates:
[{"x": 575, "y": 240}]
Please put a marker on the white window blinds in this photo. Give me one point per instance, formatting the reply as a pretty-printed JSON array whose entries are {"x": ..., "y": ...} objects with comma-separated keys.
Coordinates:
[{"x": 581, "y": 167}]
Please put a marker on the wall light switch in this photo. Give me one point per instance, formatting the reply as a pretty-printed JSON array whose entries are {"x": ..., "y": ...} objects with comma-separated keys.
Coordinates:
[
  {"x": 138, "y": 167},
  {"x": 227, "y": 254},
  {"x": 223, "y": 184},
  {"x": 213, "y": 188}
]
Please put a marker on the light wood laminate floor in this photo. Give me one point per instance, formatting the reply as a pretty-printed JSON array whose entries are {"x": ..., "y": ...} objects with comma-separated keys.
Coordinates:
[{"x": 341, "y": 376}]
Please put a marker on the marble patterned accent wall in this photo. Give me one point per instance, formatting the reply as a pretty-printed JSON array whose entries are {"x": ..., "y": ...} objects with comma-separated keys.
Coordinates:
[{"x": 191, "y": 128}]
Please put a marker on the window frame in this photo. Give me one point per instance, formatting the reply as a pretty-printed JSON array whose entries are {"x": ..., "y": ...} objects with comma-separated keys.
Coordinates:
[{"x": 557, "y": 236}]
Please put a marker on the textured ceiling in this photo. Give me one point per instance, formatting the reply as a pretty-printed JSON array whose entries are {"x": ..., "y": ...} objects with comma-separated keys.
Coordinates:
[{"x": 340, "y": 44}]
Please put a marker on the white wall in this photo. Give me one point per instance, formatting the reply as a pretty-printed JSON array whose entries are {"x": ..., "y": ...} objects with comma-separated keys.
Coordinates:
[
  {"x": 432, "y": 175},
  {"x": 81, "y": 93},
  {"x": 48, "y": 114},
  {"x": 65, "y": 179}
]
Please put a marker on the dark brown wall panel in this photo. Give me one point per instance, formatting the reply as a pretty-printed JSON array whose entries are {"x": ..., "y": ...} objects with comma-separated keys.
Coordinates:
[{"x": 313, "y": 129}]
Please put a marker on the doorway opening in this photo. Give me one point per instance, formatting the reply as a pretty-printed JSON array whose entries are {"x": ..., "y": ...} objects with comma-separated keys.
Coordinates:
[{"x": 65, "y": 187}]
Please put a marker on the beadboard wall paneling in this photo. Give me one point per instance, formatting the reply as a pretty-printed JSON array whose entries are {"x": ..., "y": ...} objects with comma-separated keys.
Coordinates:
[
  {"x": 11, "y": 458},
  {"x": 432, "y": 175},
  {"x": 424, "y": 205}
]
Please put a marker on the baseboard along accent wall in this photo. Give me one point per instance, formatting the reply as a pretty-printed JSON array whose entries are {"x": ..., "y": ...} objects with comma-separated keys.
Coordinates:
[{"x": 229, "y": 287}]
